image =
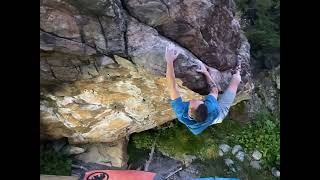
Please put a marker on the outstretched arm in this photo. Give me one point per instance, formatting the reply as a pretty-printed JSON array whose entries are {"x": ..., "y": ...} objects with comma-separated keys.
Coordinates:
[
  {"x": 170, "y": 55},
  {"x": 235, "y": 81},
  {"x": 236, "y": 78}
]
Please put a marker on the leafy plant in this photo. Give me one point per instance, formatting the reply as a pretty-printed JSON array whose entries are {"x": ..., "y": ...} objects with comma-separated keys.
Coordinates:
[
  {"x": 177, "y": 141},
  {"x": 54, "y": 163},
  {"x": 263, "y": 135},
  {"x": 262, "y": 28},
  {"x": 143, "y": 140},
  {"x": 217, "y": 168}
]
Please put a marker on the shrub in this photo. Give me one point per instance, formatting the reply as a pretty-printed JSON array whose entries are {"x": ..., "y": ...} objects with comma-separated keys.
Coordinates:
[
  {"x": 177, "y": 141},
  {"x": 262, "y": 28},
  {"x": 54, "y": 163},
  {"x": 263, "y": 135}
]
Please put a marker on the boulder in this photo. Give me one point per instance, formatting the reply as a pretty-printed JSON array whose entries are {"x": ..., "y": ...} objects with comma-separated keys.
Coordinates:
[
  {"x": 102, "y": 67},
  {"x": 110, "y": 154}
]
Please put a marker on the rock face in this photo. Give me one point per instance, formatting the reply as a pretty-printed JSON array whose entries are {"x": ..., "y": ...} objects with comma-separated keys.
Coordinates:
[
  {"x": 256, "y": 155},
  {"x": 235, "y": 149},
  {"x": 224, "y": 147},
  {"x": 109, "y": 154},
  {"x": 146, "y": 47},
  {"x": 207, "y": 28},
  {"x": 89, "y": 93},
  {"x": 255, "y": 164},
  {"x": 228, "y": 162},
  {"x": 275, "y": 172},
  {"x": 265, "y": 97},
  {"x": 119, "y": 102},
  {"x": 240, "y": 156},
  {"x": 72, "y": 150}
]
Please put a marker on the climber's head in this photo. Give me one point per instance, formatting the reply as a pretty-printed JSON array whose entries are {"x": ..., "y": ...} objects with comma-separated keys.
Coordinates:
[{"x": 198, "y": 110}]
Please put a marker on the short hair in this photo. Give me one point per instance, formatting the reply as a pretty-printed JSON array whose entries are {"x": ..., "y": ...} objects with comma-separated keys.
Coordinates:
[{"x": 201, "y": 113}]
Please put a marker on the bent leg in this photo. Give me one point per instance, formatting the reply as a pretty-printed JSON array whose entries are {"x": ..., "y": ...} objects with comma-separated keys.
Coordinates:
[{"x": 225, "y": 101}]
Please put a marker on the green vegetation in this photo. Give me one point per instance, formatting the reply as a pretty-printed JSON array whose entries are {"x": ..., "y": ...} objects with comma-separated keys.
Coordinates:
[
  {"x": 178, "y": 141},
  {"x": 261, "y": 23},
  {"x": 53, "y": 163},
  {"x": 217, "y": 168},
  {"x": 263, "y": 135}
]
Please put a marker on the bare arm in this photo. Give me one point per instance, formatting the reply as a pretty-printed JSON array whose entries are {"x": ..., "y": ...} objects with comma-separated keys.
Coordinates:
[
  {"x": 213, "y": 86},
  {"x": 171, "y": 82},
  {"x": 236, "y": 78},
  {"x": 235, "y": 81},
  {"x": 170, "y": 57}
]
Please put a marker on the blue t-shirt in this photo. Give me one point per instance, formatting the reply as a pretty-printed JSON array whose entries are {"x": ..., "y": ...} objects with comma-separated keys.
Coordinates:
[{"x": 181, "y": 110}]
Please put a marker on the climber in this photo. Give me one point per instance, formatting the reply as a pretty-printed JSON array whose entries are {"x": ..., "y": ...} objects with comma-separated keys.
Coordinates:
[{"x": 197, "y": 115}]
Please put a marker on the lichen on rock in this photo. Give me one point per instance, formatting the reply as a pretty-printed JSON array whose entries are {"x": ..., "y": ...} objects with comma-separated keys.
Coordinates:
[{"x": 102, "y": 66}]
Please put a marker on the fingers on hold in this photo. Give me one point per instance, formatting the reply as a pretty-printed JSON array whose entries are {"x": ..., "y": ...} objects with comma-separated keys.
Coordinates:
[{"x": 177, "y": 53}]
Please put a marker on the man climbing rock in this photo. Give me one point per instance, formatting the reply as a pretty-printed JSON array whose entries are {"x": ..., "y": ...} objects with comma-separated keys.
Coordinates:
[{"x": 197, "y": 115}]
